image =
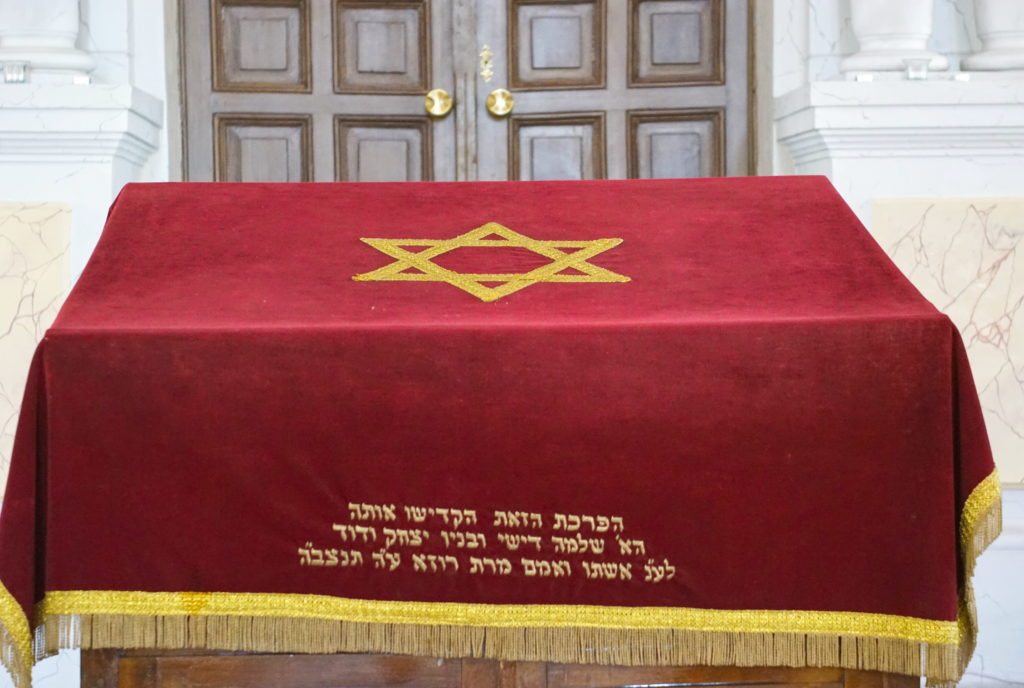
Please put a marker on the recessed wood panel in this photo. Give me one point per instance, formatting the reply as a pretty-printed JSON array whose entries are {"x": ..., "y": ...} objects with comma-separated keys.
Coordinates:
[
  {"x": 382, "y": 149},
  {"x": 556, "y": 44},
  {"x": 381, "y": 46},
  {"x": 205, "y": 669},
  {"x": 676, "y": 143},
  {"x": 262, "y": 148},
  {"x": 260, "y": 46},
  {"x": 676, "y": 42},
  {"x": 596, "y": 676},
  {"x": 557, "y": 147}
]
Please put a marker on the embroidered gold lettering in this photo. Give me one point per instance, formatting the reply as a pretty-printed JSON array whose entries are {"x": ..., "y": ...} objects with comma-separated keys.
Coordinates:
[
  {"x": 630, "y": 547},
  {"x": 656, "y": 573},
  {"x": 374, "y": 526}
]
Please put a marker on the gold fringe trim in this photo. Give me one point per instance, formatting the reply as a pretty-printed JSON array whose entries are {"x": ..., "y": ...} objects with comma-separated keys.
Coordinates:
[
  {"x": 629, "y": 647},
  {"x": 271, "y": 622},
  {"x": 561, "y": 633},
  {"x": 15, "y": 640},
  {"x": 324, "y": 607},
  {"x": 981, "y": 521}
]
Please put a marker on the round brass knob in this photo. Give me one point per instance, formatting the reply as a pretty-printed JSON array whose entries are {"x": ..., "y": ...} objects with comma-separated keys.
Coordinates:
[
  {"x": 438, "y": 102},
  {"x": 500, "y": 102}
]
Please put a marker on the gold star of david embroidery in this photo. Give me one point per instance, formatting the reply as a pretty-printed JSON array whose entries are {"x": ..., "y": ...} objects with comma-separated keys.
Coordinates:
[{"x": 412, "y": 266}]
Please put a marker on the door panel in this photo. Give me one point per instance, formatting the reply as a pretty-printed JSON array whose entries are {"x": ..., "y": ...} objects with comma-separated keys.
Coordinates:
[
  {"x": 675, "y": 42},
  {"x": 381, "y": 49},
  {"x": 557, "y": 146},
  {"x": 380, "y": 149},
  {"x": 556, "y": 44},
  {"x": 675, "y": 143},
  {"x": 263, "y": 148},
  {"x": 261, "y": 47}
]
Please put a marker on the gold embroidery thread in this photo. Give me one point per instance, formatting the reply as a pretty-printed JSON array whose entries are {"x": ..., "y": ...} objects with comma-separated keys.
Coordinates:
[{"x": 473, "y": 283}]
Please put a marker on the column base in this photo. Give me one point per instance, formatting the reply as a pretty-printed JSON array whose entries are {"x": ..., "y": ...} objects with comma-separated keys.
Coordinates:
[
  {"x": 995, "y": 60},
  {"x": 51, "y": 65},
  {"x": 890, "y": 60}
]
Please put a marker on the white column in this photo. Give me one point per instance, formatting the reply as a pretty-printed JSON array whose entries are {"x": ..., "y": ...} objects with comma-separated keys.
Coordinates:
[
  {"x": 889, "y": 32},
  {"x": 38, "y": 42},
  {"x": 1001, "y": 28}
]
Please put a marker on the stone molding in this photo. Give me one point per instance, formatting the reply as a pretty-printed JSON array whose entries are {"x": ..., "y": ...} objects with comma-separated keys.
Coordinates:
[
  {"x": 78, "y": 123},
  {"x": 843, "y": 119}
]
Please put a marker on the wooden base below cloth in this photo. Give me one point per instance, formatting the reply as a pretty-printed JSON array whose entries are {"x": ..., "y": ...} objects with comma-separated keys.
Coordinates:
[{"x": 178, "y": 669}]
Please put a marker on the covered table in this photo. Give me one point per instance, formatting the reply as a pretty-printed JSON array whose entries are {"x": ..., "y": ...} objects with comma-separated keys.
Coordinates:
[{"x": 647, "y": 422}]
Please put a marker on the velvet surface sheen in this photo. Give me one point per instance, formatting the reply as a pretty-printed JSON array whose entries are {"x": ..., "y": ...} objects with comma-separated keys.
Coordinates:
[{"x": 767, "y": 405}]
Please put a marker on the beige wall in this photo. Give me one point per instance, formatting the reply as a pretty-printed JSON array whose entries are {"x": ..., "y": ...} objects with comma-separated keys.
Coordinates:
[
  {"x": 34, "y": 279},
  {"x": 966, "y": 256}
]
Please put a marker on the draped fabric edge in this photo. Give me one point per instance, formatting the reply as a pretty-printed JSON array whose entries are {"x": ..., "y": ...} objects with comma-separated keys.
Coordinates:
[{"x": 297, "y": 623}]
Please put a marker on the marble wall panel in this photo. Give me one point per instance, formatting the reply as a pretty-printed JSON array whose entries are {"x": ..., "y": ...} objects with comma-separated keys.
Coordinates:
[
  {"x": 829, "y": 37},
  {"x": 967, "y": 257},
  {"x": 789, "y": 45},
  {"x": 34, "y": 279}
]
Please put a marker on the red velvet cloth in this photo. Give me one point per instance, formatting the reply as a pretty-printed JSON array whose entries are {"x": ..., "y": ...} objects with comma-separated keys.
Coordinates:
[{"x": 768, "y": 403}]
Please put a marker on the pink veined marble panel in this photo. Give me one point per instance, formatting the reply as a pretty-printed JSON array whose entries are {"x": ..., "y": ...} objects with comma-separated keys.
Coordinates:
[
  {"x": 34, "y": 279},
  {"x": 967, "y": 257}
]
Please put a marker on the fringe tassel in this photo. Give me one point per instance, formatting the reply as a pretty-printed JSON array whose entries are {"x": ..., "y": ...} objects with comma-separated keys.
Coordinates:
[
  {"x": 980, "y": 524},
  {"x": 627, "y": 647},
  {"x": 15, "y": 640},
  {"x": 13, "y": 658}
]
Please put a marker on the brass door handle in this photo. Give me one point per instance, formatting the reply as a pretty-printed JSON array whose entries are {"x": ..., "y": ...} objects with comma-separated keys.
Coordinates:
[
  {"x": 438, "y": 102},
  {"x": 500, "y": 102}
]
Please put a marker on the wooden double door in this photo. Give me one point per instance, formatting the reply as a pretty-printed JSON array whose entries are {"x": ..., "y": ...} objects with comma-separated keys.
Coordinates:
[{"x": 324, "y": 90}]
